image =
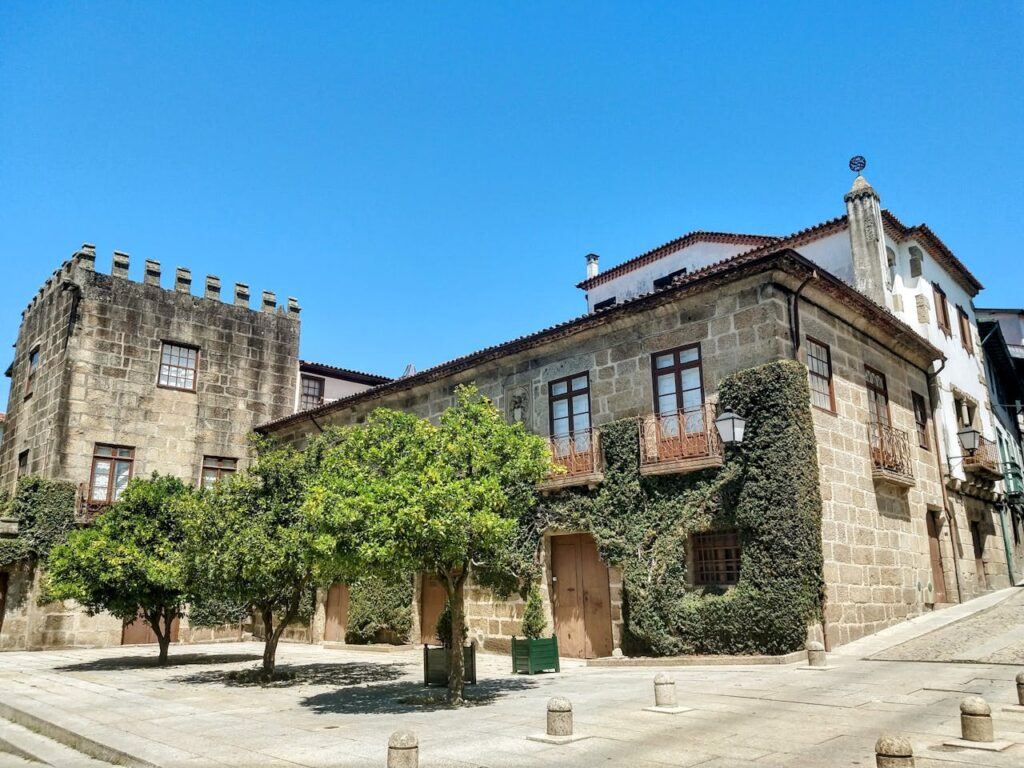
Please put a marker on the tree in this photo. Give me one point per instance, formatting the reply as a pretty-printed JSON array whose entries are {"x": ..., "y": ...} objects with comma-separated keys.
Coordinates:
[
  {"x": 250, "y": 542},
  {"x": 446, "y": 499},
  {"x": 128, "y": 562}
]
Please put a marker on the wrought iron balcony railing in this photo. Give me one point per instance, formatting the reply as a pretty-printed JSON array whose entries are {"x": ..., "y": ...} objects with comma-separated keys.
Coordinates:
[
  {"x": 985, "y": 460},
  {"x": 679, "y": 441},
  {"x": 579, "y": 454},
  {"x": 890, "y": 453}
]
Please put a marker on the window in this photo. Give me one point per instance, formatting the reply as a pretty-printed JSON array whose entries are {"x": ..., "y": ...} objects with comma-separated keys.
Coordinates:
[
  {"x": 878, "y": 397},
  {"x": 941, "y": 310},
  {"x": 312, "y": 395},
  {"x": 111, "y": 470},
  {"x": 819, "y": 369},
  {"x": 23, "y": 463},
  {"x": 921, "y": 419},
  {"x": 716, "y": 558},
  {"x": 965, "y": 330},
  {"x": 569, "y": 405},
  {"x": 965, "y": 411},
  {"x": 178, "y": 365},
  {"x": 33, "y": 366},
  {"x": 604, "y": 304},
  {"x": 890, "y": 256},
  {"x": 678, "y": 390},
  {"x": 666, "y": 281},
  {"x": 216, "y": 468}
]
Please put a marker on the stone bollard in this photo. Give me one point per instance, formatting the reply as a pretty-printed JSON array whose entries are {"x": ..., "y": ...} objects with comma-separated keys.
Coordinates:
[
  {"x": 976, "y": 719},
  {"x": 403, "y": 750},
  {"x": 1020, "y": 689},
  {"x": 815, "y": 654},
  {"x": 559, "y": 717},
  {"x": 893, "y": 751},
  {"x": 664, "y": 691}
]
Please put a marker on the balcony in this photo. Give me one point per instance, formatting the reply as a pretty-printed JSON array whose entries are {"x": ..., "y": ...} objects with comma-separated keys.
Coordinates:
[
  {"x": 890, "y": 456},
  {"x": 985, "y": 461},
  {"x": 679, "y": 441},
  {"x": 85, "y": 510},
  {"x": 579, "y": 454}
]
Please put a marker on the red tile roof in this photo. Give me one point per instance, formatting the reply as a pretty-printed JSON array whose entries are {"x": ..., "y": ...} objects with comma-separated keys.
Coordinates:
[
  {"x": 342, "y": 373},
  {"x": 938, "y": 249}
]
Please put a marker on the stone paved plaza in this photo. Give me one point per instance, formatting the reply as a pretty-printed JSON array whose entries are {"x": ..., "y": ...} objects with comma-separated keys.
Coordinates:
[{"x": 341, "y": 706}]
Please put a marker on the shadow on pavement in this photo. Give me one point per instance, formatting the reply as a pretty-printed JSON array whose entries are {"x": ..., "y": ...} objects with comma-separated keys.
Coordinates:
[
  {"x": 286, "y": 675},
  {"x": 408, "y": 696},
  {"x": 151, "y": 661}
]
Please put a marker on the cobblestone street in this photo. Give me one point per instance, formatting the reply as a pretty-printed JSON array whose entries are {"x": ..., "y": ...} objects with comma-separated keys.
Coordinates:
[{"x": 340, "y": 706}]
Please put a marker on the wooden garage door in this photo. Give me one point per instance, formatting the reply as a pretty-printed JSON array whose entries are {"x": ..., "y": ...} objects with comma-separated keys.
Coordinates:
[
  {"x": 336, "y": 613},
  {"x": 432, "y": 600},
  {"x": 581, "y": 602}
]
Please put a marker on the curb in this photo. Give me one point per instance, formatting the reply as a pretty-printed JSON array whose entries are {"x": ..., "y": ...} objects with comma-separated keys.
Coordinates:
[
  {"x": 698, "y": 661},
  {"x": 69, "y": 738}
]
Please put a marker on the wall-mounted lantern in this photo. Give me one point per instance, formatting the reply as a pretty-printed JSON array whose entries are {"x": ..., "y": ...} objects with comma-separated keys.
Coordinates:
[
  {"x": 730, "y": 428},
  {"x": 969, "y": 439}
]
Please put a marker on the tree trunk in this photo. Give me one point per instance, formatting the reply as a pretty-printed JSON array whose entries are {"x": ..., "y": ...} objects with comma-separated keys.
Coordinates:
[
  {"x": 5, "y": 583},
  {"x": 270, "y": 638},
  {"x": 455, "y": 586},
  {"x": 163, "y": 636}
]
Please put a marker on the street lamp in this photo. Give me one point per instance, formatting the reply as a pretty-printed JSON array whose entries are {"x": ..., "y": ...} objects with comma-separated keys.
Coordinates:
[
  {"x": 969, "y": 439},
  {"x": 730, "y": 428}
]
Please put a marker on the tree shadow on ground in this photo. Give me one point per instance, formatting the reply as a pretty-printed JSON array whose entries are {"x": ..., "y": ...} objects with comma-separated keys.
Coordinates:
[
  {"x": 409, "y": 696},
  {"x": 143, "y": 662},
  {"x": 287, "y": 675}
]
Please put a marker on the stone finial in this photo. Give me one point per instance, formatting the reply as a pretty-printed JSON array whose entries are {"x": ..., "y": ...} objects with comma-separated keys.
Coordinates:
[
  {"x": 269, "y": 302},
  {"x": 860, "y": 188},
  {"x": 1020, "y": 688},
  {"x": 87, "y": 256},
  {"x": 559, "y": 717},
  {"x": 120, "y": 265},
  {"x": 293, "y": 306},
  {"x": 212, "y": 287},
  {"x": 893, "y": 751},
  {"x": 976, "y": 719},
  {"x": 664, "y": 691},
  {"x": 152, "y": 273},
  {"x": 403, "y": 750},
  {"x": 183, "y": 280},
  {"x": 241, "y": 295}
]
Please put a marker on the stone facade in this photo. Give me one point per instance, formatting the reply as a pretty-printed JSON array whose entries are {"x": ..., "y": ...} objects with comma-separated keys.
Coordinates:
[{"x": 98, "y": 340}]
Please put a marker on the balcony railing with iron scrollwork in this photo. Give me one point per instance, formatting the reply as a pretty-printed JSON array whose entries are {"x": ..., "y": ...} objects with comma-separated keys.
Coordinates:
[
  {"x": 578, "y": 453},
  {"x": 985, "y": 460},
  {"x": 890, "y": 450},
  {"x": 679, "y": 438},
  {"x": 86, "y": 510}
]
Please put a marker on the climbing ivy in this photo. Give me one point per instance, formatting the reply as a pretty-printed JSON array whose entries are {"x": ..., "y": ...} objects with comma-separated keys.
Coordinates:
[
  {"x": 768, "y": 490},
  {"x": 45, "y": 511},
  {"x": 379, "y": 609}
]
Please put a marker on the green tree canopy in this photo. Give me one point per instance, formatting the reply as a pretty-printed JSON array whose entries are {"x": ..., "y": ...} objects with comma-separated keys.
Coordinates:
[
  {"x": 448, "y": 499},
  {"x": 128, "y": 562}
]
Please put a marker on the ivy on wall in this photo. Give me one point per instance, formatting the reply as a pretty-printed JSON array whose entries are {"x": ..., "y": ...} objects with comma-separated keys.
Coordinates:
[
  {"x": 380, "y": 609},
  {"x": 45, "y": 511},
  {"x": 768, "y": 490}
]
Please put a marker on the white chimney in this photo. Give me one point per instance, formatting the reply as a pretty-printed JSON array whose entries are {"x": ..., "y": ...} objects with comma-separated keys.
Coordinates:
[{"x": 592, "y": 268}]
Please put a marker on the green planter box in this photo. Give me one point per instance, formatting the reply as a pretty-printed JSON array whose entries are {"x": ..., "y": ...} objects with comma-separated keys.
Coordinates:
[
  {"x": 533, "y": 655},
  {"x": 435, "y": 664}
]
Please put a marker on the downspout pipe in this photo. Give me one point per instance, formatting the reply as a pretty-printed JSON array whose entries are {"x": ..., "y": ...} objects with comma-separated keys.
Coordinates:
[
  {"x": 794, "y": 314},
  {"x": 954, "y": 531}
]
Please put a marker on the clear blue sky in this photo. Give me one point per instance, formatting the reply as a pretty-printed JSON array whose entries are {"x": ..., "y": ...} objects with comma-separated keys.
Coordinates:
[{"x": 426, "y": 178}]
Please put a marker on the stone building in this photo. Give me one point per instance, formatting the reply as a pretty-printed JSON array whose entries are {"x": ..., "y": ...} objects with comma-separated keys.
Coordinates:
[
  {"x": 910, "y": 521},
  {"x": 114, "y": 379}
]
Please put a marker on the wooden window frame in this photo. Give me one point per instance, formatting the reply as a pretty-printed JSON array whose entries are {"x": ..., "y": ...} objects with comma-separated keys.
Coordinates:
[
  {"x": 942, "y": 310},
  {"x": 568, "y": 396},
  {"x": 33, "y": 367},
  {"x": 717, "y": 558},
  {"x": 678, "y": 369},
  {"x": 164, "y": 344},
  {"x": 303, "y": 378},
  {"x": 812, "y": 374},
  {"x": 884, "y": 391},
  {"x": 921, "y": 420},
  {"x": 220, "y": 471},
  {"x": 965, "y": 329},
  {"x": 113, "y": 459}
]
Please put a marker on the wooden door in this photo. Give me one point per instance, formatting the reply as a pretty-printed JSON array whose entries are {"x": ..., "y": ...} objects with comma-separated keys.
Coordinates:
[
  {"x": 336, "y": 611},
  {"x": 139, "y": 632},
  {"x": 581, "y": 597},
  {"x": 938, "y": 580},
  {"x": 432, "y": 600}
]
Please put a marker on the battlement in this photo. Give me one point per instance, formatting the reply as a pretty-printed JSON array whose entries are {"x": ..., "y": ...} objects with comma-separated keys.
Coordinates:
[{"x": 85, "y": 259}]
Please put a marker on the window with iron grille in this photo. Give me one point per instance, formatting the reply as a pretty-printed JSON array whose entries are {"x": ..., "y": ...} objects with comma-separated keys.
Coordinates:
[
  {"x": 178, "y": 365},
  {"x": 112, "y": 467},
  {"x": 716, "y": 558},
  {"x": 819, "y": 370},
  {"x": 312, "y": 395},
  {"x": 921, "y": 419},
  {"x": 217, "y": 468}
]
